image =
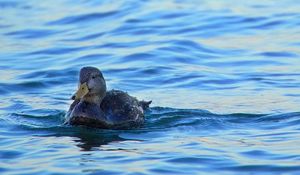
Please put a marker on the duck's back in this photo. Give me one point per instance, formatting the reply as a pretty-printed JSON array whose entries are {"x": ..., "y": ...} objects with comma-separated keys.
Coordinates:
[{"x": 123, "y": 109}]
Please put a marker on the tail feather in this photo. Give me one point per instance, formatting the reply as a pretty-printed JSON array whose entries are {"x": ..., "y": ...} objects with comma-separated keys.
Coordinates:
[{"x": 145, "y": 104}]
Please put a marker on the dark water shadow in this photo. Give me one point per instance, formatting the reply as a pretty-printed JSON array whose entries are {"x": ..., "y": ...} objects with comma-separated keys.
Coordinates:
[{"x": 89, "y": 139}]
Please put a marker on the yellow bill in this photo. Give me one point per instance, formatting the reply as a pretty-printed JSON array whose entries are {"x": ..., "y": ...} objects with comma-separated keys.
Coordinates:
[{"x": 82, "y": 91}]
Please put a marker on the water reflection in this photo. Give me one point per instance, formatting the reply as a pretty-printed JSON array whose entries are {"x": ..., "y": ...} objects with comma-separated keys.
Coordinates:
[{"x": 89, "y": 139}]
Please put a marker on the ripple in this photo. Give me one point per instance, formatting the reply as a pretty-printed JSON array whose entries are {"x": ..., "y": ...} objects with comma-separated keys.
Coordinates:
[
  {"x": 82, "y": 18},
  {"x": 245, "y": 63},
  {"x": 263, "y": 168},
  {"x": 9, "y": 154},
  {"x": 265, "y": 155},
  {"x": 269, "y": 25},
  {"x": 33, "y": 33},
  {"x": 57, "y": 51},
  {"x": 87, "y": 37},
  {"x": 278, "y": 54},
  {"x": 13, "y": 5},
  {"x": 194, "y": 160},
  {"x": 28, "y": 86}
]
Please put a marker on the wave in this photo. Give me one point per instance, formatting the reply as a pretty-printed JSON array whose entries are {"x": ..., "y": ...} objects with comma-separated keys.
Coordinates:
[{"x": 166, "y": 118}]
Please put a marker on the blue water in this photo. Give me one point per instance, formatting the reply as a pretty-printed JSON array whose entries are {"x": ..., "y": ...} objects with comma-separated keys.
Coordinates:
[{"x": 224, "y": 78}]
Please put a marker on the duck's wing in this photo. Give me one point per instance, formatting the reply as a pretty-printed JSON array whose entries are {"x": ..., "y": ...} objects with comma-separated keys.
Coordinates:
[
  {"x": 122, "y": 108},
  {"x": 75, "y": 102},
  {"x": 68, "y": 114}
]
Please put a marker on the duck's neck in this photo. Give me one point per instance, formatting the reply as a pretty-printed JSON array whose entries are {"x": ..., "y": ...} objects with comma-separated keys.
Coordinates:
[{"x": 96, "y": 99}]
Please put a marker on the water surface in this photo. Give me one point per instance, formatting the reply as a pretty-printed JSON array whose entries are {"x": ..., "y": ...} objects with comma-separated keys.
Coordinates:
[{"x": 224, "y": 77}]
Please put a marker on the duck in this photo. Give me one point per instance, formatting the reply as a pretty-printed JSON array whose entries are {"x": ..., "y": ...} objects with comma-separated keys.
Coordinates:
[{"x": 94, "y": 106}]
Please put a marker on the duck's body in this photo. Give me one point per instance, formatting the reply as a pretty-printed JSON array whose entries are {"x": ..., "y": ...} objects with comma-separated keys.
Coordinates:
[{"x": 95, "y": 107}]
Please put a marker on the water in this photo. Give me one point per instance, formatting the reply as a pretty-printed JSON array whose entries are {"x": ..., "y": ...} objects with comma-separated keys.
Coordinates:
[{"x": 224, "y": 77}]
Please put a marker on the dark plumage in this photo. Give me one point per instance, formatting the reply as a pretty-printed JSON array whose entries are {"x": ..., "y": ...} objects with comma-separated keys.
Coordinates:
[{"x": 95, "y": 107}]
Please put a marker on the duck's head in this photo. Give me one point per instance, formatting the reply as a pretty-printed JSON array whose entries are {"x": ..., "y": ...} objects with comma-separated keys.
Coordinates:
[{"x": 92, "y": 86}]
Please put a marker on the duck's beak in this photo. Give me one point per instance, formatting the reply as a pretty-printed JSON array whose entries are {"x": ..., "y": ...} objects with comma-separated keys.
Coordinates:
[{"x": 81, "y": 92}]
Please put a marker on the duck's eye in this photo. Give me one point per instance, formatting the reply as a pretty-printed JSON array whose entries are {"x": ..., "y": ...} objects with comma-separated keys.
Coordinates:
[{"x": 93, "y": 77}]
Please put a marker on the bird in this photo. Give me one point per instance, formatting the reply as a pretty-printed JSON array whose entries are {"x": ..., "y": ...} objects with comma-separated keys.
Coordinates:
[{"x": 94, "y": 106}]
